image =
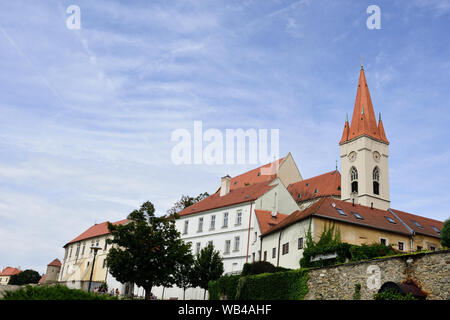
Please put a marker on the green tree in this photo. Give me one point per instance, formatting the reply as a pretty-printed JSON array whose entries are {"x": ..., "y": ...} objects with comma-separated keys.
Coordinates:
[
  {"x": 185, "y": 276},
  {"x": 186, "y": 201},
  {"x": 445, "y": 234},
  {"x": 147, "y": 250},
  {"x": 25, "y": 277},
  {"x": 208, "y": 266}
]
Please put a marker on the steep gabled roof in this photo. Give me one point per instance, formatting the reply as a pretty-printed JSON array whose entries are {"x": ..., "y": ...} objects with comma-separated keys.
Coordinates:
[
  {"x": 263, "y": 173},
  {"x": 327, "y": 184},
  {"x": 267, "y": 221},
  {"x": 419, "y": 224},
  {"x": 95, "y": 231},
  {"x": 10, "y": 271},
  {"x": 371, "y": 218},
  {"x": 235, "y": 196}
]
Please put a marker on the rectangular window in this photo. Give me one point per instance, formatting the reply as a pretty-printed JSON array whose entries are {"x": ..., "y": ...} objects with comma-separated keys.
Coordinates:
[
  {"x": 274, "y": 253},
  {"x": 432, "y": 248},
  {"x": 66, "y": 253},
  {"x": 225, "y": 220},
  {"x": 78, "y": 250},
  {"x": 285, "y": 248},
  {"x": 236, "y": 243},
  {"x": 200, "y": 225},
  {"x": 255, "y": 237},
  {"x": 227, "y": 246},
  {"x": 253, "y": 257},
  {"x": 70, "y": 254},
  {"x": 300, "y": 243},
  {"x": 84, "y": 247},
  {"x": 186, "y": 225},
  {"x": 213, "y": 222},
  {"x": 265, "y": 255},
  {"x": 419, "y": 248},
  {"x": 210, "y": 243},
  {"x": 383, "y": 241},
  {"x": 400, "y": 246},
  {"x": 106, "y": 245},
  {"x": 239, "y": 217},
  {"x": 104, "y": 263},
  {"x": 197, "y": 250},
  {"x": 97, "y": 243}
]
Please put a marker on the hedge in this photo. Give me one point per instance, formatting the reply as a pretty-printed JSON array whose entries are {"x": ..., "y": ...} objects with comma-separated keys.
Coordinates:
[
  {"x": 54, "y": 292},
  {"x": 345, "y": 252},
  {"x": 224, "y": 287},
  {"x": 288, "y": 285}
]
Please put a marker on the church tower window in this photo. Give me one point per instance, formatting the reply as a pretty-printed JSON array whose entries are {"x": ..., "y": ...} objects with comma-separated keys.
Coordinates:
[
  {"x": 354, "y": 179},
  {"x": 376, "y": 180}
]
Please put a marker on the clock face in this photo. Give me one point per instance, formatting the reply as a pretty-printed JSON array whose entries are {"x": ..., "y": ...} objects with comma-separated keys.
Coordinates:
[
  {"x": 352, "y": 156},
  {"x": 376, "y": 156}
]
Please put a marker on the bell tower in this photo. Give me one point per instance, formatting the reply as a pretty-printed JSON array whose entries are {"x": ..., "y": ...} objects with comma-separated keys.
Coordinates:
[{"x": 364, "y": 151}]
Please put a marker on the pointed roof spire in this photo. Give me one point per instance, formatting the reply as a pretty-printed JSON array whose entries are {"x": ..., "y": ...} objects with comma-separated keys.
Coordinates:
[{"x": 363, "y": 119}]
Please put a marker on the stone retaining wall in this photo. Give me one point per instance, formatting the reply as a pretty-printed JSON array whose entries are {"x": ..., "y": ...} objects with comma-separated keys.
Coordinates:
[{"x": 429, "y": 271}]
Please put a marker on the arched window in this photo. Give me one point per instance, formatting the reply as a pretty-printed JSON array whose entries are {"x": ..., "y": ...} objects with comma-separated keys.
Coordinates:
[
  {"x": 376, "y": 180},
  {"x": 354, "y": 179}
]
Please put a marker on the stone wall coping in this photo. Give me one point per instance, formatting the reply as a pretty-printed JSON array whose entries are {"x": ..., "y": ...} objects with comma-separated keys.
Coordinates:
[{"x": 403, "y": 256}]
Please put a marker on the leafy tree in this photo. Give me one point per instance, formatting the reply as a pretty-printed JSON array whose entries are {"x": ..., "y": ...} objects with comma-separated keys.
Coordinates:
[
  {"x": 208, "y": 266},
  {"x": 147, "y": 250},
  {"x": 185, "y": 276},
  {"x": 445, "y": 234},
  {"x": 186, "y": 201},
  {"x": 258, "y": 267},
  {"x": 25, "y": 277}
]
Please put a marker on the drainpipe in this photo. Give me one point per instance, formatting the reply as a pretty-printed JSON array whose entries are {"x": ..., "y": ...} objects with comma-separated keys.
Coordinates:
[
  {"x": 249, "y": 224},
  {"x": 260, "y": 247}
]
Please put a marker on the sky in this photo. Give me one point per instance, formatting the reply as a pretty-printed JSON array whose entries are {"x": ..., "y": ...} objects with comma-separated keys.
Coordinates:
[{"x": 87, "y": 114}]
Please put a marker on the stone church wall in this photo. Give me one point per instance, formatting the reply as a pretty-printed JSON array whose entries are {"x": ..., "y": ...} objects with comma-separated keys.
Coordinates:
[{"x": 429, "y": 271}]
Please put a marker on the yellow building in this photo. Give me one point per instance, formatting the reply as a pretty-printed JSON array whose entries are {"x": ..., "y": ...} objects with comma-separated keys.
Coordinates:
[{"x": 78, "y": 260}]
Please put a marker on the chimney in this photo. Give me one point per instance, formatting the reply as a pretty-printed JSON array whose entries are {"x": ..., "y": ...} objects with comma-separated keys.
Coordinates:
[
  {"x": 225, "y": 185},
  {"x": 275, "y": 207}
]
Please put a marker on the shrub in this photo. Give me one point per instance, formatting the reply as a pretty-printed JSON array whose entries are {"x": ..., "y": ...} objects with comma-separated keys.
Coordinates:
[
  {"x": 257, "y": 268},
  {"x": 224, "y": 287},
  {"x": 288, "y": 285},
  {"x": 55, "y": 292},
  {"x": 392, "y": 294},
  {"x": 366, "y": 252},
  {"x": 445, "y": 234}
]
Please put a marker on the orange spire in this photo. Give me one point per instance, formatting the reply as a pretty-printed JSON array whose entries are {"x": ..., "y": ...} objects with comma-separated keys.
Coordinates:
[
  {"x": 381, "y": 130},
  {"x": 346, "y": 130},
  {"x": 363, "y": 119}
]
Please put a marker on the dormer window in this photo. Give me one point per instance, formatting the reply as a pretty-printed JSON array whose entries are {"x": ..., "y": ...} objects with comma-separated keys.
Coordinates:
[{"x": 436, "y": 229}]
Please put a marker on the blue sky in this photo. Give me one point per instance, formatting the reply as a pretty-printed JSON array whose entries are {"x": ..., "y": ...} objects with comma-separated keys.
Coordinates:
[{"x": 87, "y": 115}]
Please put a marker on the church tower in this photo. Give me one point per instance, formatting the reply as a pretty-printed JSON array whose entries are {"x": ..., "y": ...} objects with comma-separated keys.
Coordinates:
[{"x": 364, "y": 151}]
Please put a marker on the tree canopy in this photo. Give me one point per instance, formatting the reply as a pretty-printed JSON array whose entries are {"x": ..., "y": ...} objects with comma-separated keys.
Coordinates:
[
  {"x": 208, "y": 266},
  {"x": 25, "y": 277},
  {"x": 445, "y": 234},
  {"x": 147, "y": 250},
  {"x": 185, "y": 202}
]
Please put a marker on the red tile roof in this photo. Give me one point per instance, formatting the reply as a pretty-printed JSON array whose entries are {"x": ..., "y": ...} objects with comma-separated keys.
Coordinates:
[
  {"x": 327, "y": 184},
  {"x": 41, "y": 281},
  {"x": 95, "y": 231},
  {"x": 363, "y": 120},
  {"x": 425, "y": 225},
  {"x": 371, "y": 218},
  {"x": 266, "y": 221},
  {"x": 10, "y": 271},
  {"x": 260, "y": 174},
  {"x": 235, "y": 196},
  {"x": 55, "y": 263}
]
